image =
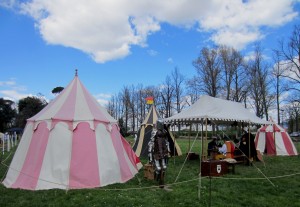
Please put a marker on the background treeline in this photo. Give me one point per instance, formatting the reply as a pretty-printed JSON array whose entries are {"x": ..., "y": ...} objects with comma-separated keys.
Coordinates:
[
  {"x": 264, "y": 84},
  {"x": 261, "y": 83}
]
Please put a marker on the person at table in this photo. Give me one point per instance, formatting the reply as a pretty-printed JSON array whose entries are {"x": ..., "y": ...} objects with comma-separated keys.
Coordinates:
[
  {"x": 227, "y": 149},
  {"x": 244, "y": 147},
  {"x": 212, "y": 146}
]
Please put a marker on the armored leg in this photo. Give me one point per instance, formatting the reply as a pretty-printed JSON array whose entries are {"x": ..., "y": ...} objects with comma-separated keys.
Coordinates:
[
  {"x": 164, "y": 166},
  {"x": 157, "y": 167}
]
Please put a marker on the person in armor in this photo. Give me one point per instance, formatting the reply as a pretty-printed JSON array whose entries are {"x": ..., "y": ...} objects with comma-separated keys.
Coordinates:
[{"x": 158, "y": 148}]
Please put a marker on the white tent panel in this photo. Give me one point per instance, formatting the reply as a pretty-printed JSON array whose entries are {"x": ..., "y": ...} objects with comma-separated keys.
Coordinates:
[
  {"x": 19, "y": 158},
  {"x": 261, "y": 145},
  {"x": 55, "y": 168},
  {"x": 280, "y": 147},
  {"x": 109, "y": 169}
]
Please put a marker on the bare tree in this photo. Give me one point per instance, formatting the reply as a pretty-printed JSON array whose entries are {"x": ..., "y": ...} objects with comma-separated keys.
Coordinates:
[
  {"x": 126, "y": 103},
  {"x": 141, "y": 104},
  {"x": 208, "y": 78},
  {"x": 258, "y": 79},
  {"x": 290, "y": 58},
  {"x": 133, "y": 103},
  {"x": 192, "y": 91},
  {"x": 231, "y": 60},
  {"x": 240, "y": 84},
  {"x": 111, "y": 107},
  {"x": 178, "y": 81},
  {"x": 166, "y": 93},
  {"x": 278, "y": 82},
  {"x": 294, "y": 115}
]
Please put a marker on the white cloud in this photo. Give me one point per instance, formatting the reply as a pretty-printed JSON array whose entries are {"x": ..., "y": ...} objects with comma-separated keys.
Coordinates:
[
  {"x": 103, "y": 102},
  {"x": 107, "y": 29},
  {"x": 10, "y": 82},
  {"x": 12, "y": 91},
  {"x": 102, "y": 98},
  {"x": 290, "y": 70},
  {"x": 170, "y": 60},
  {"x": 251, "y": 56},
  {"x": 237, "y": 24},
  {"x": 13, "y": 95},
  {"x": 152, "y": 52}
]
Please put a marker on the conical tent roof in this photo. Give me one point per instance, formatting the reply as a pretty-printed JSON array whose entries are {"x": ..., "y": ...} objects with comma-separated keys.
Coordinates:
[
  {"x": 151, "y": 117},
  {"x": 144, "y": 134},
  {"x": 72, "y": 143},
  {"x": 274, "y": 140},
  {"x": 74, "y": 104}
]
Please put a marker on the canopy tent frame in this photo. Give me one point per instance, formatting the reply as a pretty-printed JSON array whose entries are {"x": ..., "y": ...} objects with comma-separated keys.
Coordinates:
[{"x": 215, "y": 110}]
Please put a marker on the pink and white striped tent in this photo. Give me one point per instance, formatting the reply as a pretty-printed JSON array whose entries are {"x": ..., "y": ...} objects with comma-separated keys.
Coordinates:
[
  {"x": 280, "y": 145},
  {"x": 72, "y": 143}
]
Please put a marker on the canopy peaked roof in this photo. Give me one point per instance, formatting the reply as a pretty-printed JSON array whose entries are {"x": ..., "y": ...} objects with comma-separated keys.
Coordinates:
[
  {"x": 211, "y": 108},
  {"x": 74, "y": 103}
]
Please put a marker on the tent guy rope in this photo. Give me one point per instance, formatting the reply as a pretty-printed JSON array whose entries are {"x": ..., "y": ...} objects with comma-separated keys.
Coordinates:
[{"x": 177, "y": 183}]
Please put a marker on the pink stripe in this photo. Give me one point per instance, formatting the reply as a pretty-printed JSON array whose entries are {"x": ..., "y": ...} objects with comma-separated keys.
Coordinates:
[
  {"x": 67, "y": 110},
  {"x": 30, "y": 172},
  {"x": 93, "y": 105},
  {"x": 132, "y": 156},
  {"x": 263, "y": 129},
  {"x": 51, "y": 103},
  {"x": 84, "y": 171},
  {"x": 276, "y": 128},
  {"x": 124, "y": 168},
  {"x": 287, "y": 143}
]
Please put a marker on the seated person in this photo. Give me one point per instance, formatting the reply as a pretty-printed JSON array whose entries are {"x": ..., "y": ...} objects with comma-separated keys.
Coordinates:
[
  {"x": 227, "y": 150},
  {"x": 223, "y": 149},
  {"x": 212, "y": 145},
  {"x": 244, "y": 147}
]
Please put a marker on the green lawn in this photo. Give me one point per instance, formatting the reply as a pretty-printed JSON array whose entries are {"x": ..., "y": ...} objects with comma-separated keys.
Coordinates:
[{"x": 247, "y": 187}]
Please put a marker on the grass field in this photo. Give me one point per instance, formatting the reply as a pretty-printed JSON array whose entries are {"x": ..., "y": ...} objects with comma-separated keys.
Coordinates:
[{"x": 274, "y": 183}]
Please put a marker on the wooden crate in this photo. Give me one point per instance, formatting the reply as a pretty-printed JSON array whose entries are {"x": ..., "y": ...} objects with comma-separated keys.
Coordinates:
[
  {"x": 214, "y": 168},
  {"x": 149, "y": 171}
]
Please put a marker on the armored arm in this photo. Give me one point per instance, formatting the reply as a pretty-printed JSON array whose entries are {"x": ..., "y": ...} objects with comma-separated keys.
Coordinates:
[{"x": 151, "y": 146}]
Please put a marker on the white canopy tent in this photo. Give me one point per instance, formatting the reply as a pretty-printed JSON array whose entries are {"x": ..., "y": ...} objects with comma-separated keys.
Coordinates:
[{"x": 216, "y": 109}]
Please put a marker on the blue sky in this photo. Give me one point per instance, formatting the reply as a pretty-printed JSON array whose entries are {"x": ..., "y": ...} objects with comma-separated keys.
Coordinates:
[{"x": 117, "y": 43}]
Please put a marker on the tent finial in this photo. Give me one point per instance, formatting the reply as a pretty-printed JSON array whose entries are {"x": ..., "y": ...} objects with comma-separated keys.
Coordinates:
[{"x": 76, "y": 72}]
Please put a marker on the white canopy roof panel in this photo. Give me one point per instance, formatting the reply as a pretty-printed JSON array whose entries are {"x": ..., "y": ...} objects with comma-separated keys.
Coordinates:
[{"x": 218, "y": 110}]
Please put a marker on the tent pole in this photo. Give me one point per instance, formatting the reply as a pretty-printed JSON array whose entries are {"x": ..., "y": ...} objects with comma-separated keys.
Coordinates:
[
  {"x": 174, "y": 145},
  {"x": 204, "y": 157},
  {"x": 249, "y": 143},
  {"x": 190, "y": 138},
  {"x": 199, "y": 182},
  {"x": 274, "y": 139}
]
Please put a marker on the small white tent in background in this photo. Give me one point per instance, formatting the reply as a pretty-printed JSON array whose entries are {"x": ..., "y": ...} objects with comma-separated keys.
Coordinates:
[
  {"x": 72, "y": 143},
  {"x": 274, "y": 140}
]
